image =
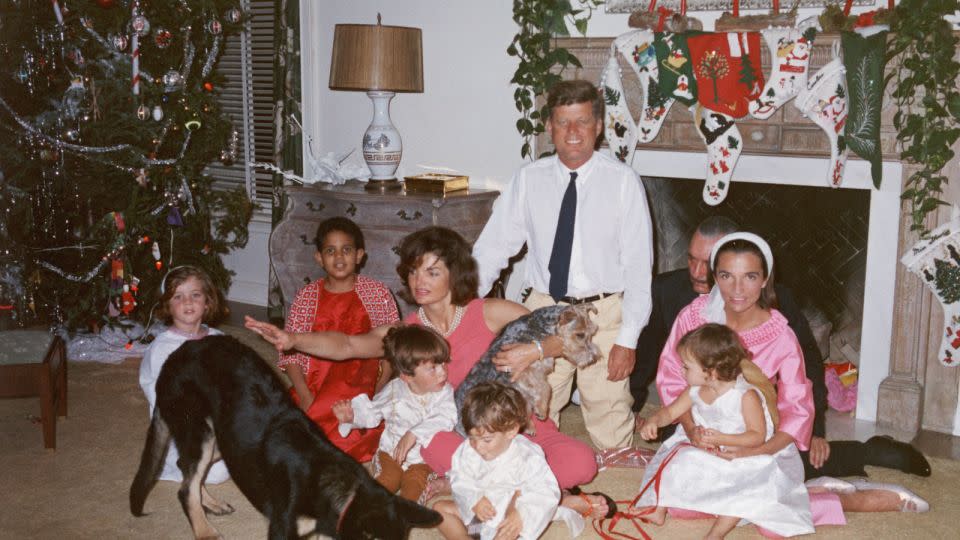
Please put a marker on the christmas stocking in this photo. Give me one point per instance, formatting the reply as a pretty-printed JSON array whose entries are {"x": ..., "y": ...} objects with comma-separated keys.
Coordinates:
[
  {"x": 727, "y": 69},
  {"x": 936, "y": 260},
  {"x": 790, "y": 56},
  {"x": 675, "y": 68},
  {"x": 824, "y": 101},
  {"x": 863, "y": 57},
  {"x": 637, "y": 47},
  {"x": 724, "y": 144},
  {"x": 619, "y": 128}
]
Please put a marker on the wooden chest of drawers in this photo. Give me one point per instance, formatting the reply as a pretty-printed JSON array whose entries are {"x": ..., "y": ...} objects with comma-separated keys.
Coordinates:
[{"x": 384, "y": 218}]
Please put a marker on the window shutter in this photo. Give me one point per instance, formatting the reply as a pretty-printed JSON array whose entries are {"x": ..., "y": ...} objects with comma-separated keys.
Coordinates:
[{"x": 247, "y": 97}]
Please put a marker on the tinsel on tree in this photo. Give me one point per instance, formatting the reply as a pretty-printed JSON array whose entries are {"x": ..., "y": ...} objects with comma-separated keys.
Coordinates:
[{"x": 108, "y": 118}]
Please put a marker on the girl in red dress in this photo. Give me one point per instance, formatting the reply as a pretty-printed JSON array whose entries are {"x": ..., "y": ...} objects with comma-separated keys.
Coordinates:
[{"x": 345, "y": 302}]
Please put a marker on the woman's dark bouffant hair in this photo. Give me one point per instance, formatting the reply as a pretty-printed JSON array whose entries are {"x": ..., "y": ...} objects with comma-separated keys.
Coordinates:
[
  {"x": 450, "y": 248},
  {"x": 494, "y": 407},
  {"x": 768, "y": 296},
  {"x": 716, "y": 348},
  {"x": 216, "y": 307},
  {"x": 407, "y": 346}
]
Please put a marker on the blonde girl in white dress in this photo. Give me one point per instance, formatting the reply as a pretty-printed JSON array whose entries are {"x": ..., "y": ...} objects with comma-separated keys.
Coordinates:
[{"x": 766, "y": 490}]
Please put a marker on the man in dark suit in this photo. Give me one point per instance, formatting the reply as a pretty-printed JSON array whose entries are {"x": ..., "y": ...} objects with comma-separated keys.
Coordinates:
[{"x": 672, "y": 291}]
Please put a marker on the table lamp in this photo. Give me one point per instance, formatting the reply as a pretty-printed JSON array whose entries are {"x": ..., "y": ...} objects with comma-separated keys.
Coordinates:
[{"x": 380, "y": 60}]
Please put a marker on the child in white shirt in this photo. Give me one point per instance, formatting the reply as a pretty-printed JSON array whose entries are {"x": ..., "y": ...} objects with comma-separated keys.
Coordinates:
[
  {"x": 499, "y": 479},
  {"x": 414, "y": 407}
]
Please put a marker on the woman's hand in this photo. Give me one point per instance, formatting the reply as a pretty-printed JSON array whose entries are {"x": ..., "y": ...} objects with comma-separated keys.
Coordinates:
[
  {"x": 649, "y": 429},
  {"x": 711, "y": 437},
  {"x": 280, "y": 339},
  {"x": 696, "y": 438},
  {"x": 734, "y": 452},
  {"x": 513, "y": 358},
  {"x": 819, "y": 451}
]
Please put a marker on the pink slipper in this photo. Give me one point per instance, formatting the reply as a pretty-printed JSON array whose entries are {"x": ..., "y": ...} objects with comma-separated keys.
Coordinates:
[{"x": 909, "y": 501}]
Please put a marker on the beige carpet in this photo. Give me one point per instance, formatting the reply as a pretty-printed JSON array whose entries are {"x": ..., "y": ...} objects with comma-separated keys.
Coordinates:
[{"x": 80, "y": 490}]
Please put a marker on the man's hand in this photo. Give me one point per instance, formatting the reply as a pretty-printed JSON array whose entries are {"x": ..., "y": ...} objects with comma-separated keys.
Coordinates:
[
  {"x": 648, "y": 430},
  {"x": 280, "y": 339},
  {"x": 484, "y": 510},
  {"x": 403, "y": 447},
  {"x": 343, "y": 411},
  {"x": 620, "y": 363},
  {"x": 819, "y": 451}
]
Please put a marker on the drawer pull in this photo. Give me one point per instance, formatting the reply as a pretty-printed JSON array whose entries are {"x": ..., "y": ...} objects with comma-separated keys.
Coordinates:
[
  {"x": 315, "y": 208},
  {"x": 306, "y": 241},
  {"x": 352, "y": 209},
  {"x": 757, "y": 135},
  {"x": 416, "y": 215}
]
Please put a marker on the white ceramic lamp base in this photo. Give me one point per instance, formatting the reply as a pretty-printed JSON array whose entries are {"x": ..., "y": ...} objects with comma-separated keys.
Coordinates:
[{"x": 382, "y": 146}]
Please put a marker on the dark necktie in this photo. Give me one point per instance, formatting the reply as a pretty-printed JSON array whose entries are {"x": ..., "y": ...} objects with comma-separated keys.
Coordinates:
[{"x": 563, "y": 241}]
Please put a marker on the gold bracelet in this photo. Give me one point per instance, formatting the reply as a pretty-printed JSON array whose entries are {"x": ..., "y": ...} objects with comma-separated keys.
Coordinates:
[{"x": 539, "y": 348}]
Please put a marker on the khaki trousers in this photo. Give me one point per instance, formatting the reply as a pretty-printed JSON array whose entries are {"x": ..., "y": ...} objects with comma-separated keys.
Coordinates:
[
  {"x": 410, "y": 482},
  {"x": 606, "y": 405}
]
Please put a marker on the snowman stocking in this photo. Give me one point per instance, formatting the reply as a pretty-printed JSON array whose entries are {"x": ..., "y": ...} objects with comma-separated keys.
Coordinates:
[
  {"x": 675, "y": 70},
  {"x": 619, "y": 128},
  {"x": 824, "y": 101},
  {"x": 863, "y": 56},
  {"x": 790, "y": 54},
  {"x": 724, "y": 144},
  {"x": 936, "y": 260}
]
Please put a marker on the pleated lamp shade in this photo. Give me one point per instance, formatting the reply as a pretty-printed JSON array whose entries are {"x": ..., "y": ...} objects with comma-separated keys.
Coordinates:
[{"x": 376, "y": 57}]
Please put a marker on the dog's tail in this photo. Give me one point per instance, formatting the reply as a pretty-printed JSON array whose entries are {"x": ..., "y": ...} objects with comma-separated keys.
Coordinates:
[{"x": 151, "y": 463}]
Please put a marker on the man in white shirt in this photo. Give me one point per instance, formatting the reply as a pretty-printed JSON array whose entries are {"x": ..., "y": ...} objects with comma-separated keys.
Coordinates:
[{"x": 584, "y": 218}]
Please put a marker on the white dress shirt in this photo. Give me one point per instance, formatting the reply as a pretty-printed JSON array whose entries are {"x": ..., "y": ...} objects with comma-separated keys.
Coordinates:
[
  {"x": 521, "y": 467},
  {"x": 612, "y": 239},
  {"x": 401, "y": 411}
]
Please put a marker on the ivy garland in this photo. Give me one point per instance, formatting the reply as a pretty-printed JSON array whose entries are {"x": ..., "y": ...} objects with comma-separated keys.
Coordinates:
[
  {"x": 928, "y": 104},
  {"x": 541, "y": 61}
]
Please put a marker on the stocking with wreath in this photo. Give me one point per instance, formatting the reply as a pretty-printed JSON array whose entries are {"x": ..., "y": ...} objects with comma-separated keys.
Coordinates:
[{"x": 936, "y": 260}]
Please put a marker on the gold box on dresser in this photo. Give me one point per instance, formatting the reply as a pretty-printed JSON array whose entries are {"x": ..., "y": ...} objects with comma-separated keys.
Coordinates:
[{"x": 436, "y": 183}]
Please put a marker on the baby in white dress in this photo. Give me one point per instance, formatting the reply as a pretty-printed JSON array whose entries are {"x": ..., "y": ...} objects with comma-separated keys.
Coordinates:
[
  {"x": 499, "y": 480},
  {"x": 766, "y": 490}
]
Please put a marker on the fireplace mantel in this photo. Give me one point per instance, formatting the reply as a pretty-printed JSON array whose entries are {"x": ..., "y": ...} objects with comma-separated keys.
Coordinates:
[{"x": 789, "y": 149}]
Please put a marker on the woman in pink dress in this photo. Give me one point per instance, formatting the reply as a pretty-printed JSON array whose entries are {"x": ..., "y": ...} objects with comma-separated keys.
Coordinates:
[
  {"x": 743, "y": 299},
  {"x": 440, "y": 275}
]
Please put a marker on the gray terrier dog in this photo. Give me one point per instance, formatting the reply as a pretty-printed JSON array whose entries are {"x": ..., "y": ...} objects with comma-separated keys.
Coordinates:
[{"x": 571, "y": 323}]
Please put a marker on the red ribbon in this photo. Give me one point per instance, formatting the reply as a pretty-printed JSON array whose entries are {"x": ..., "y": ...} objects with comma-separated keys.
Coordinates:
[{"x": 736, "y": 8}]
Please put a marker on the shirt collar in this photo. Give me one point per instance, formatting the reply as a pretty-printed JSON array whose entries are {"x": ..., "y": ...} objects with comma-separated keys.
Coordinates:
[{"x": 582, "y": 172}]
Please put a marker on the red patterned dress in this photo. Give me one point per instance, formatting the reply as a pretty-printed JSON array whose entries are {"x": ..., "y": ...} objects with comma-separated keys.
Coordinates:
[{"x": 315, "y": 309}]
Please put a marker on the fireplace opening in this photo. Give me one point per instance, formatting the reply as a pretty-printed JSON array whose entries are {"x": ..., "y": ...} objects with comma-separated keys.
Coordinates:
[{"x": 818, "y": 237}]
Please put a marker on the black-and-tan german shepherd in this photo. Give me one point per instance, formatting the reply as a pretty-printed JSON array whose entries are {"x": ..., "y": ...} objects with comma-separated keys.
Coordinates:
[{"x": 217, "y": 394}]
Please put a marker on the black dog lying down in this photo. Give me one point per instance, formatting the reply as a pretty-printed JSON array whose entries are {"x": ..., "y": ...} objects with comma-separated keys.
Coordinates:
[{"x": 216, "y": 393}]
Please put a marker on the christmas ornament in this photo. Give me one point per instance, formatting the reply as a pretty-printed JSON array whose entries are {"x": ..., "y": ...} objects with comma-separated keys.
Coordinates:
[
  {"x": 232, "y": 15},
  {"x": 72, "y": 134},
  {"x": 172, "y": 80},
  {"x": 174, "y": 218},
  {"x": 824, "y": 101},
  {"x": 162, "y": 37},
  {"x": 127, "y": 302},
  {"x": 140, "y": 25},
  {"x": 142, "y": 112},
  {"x": 192, "y": 124},
  {"x": 155, "y": 251},
  {"x": 142, "y": 178},
  {"x": 106, "y": 4},
  {"x": 214, "y": 27},
  {"x": 119, "y": 42},
  {"x": 790, "y": 49},
  {"x": 157, "y": 113},
  {"x": 208, "y": 86},
  {"x": 936, "y": 260}
]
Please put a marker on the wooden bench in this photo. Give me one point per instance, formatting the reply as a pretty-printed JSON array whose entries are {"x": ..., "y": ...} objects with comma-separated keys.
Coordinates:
[{"x": 34, "y": 363}]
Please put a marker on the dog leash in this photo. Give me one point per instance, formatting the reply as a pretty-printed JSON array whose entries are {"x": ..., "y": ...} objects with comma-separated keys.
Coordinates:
[{"x": 609, "y": 533}]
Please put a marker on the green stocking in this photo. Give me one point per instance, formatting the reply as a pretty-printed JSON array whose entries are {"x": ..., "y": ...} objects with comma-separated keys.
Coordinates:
[{"x": 864, "y": 60}]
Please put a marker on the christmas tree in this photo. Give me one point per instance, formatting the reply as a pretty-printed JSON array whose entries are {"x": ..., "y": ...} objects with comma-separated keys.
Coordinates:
[{"x": 108, "y": 119}]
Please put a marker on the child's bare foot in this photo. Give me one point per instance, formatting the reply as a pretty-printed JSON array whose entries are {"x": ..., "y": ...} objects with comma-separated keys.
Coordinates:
[
  {"x": 589, "y": 505},
  {"x": 656, "y": 515}
]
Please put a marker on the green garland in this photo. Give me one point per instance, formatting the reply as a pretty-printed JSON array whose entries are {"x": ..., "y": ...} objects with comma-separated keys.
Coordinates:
[{"x": 541, "y": 62}]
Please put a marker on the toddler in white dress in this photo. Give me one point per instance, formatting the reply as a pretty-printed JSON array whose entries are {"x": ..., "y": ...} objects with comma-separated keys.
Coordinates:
[
  {"x": 414, "y": 407},
  {"x": 499, "y": 480},
  {"x": 766, "y": 490}
]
